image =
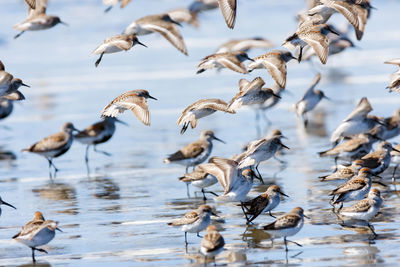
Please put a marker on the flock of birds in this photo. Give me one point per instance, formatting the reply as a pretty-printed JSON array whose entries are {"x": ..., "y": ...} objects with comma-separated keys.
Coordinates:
[{"x": 352, "y": 140}]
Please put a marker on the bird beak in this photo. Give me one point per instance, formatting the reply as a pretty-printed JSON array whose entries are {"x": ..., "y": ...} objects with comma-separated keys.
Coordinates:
[
  {"x": 277, "y": 96},
  {"x": 63, "y": 23},
  {"x": 152, "y": 97},
  {"x": 394, "y": 149},
  {"x": 59, "y": 230},
  {"x": 306, "y": 216},
  {"x": 250, "y": 59},
  {"x": 284, "y": 137},
  {"x": 214, "y": 214},
  {"x": 292, "y": 57},
  {"x": 141, "y": 44},
  {"x": 7, "y": 204},
  {"x": 284, "y": 145},
  {"x": 122, "y": 122},
  {"x": 219, "y": 140},
  {"x": 22, "y": 84},
  {"x": 280, "y": 192},
  {"x": 327, "y": 98},
  {"x": 76, "y": 130}
]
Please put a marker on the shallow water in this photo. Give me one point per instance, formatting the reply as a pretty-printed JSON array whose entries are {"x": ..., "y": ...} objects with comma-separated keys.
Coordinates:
[{"x": 119, "y": 213}]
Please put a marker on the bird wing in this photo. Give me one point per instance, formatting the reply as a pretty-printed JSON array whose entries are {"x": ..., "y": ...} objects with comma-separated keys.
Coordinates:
[
  {"x": 346, "y": 9},
  {"x": 29, "y": 228},
  {"x": 188, "y": 218},
  {"x": 124, "y": 3},
  {"x": 362, "y": 109},
  {"x": 276, "y": 68},
  {"x": 92, "y": 130},
  {"x": 40, "y": 7},
  {"x": 231, "y": 62},
  {"x": 257, "y": 205},
  {"x": 361, "y": 206},
  {"x": 372, "y": 160},
  {"x": 320, "y": 43},
  {"x": 223, "y": 169},
  {"x": 228, "y": 9},
  {"x": 243, "y": 83},
  {"x": 285, "y": 221},
  {"x": 52, "y": 142},
  {"x": 314, "y": 83},
  {"x": 189, "y": 151},
  {"x": 351, "y": 185}
]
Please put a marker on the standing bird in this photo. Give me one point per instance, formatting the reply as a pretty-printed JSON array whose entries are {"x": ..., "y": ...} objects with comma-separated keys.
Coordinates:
[
  {"x": 200, "y": 109},
  {"x": 309, "y": 100},
  {"x": 265, "y": 202},
  {"x": 231, "y": 60},
  {"x": 2, "y": 202},
  {"x": 275, "y": 63},
  {"x": 194, "y": 153},
  {"x": 378, "y": 161},
  {"x": 344, "y": 172},
  {"x": 194, "y": 221},
  {"x": 116, "y": 43},
  {"x": 286, "y": 225},
  {"x": 37, "y": 232},
  {"x": 9, "y": 85},
  {"x": 54, "y": 145},
  {"x": 37, "y": 18},
  {"x": 212, "y": 243},
  {"x": 135, "y": 100},
  {"x": 394, "y": 82},
  {"x": 112, "y": 3},
  {"x": 244, "y": 44},
  {"x": 162, "y": 24}
]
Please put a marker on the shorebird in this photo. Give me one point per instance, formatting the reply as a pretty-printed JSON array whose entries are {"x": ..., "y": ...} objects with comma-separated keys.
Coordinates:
[
  {"x": 97, "y": 133},
  {"x": 365, "y": 209},
  {"x": 310, "y": 99},
  {"x": 251, "y": 93},
  {"x": 265, "y": 202},
  {"x": 37, "y": 232},
  {"x": 54, "y": 145},
  {"x": 194, "y": 153},
  {"x": 37, "y": 18},
  {"x": 244, "y": 45},
  {"x": 344, "y": 172},
  {"x": 314, "y": 36},
  {"x": 2, "y": 202},
  {"x": 231, "y": 60},
  {"x": 394, "y": 82},
  {"x": 162, "y": 24},
  {"x": 135, "y": 100},
  {"x": 235, "y": 181},
  {"x": 395, "y": 158},
  {"x": 200, "y": 109},
  {"x": 354, "y": 189},
  {"x": 378, "y": 161},
  {"x": 194, "y": 221},
  {"x": 286, "y": 225},
  {"x": 6, "y": 107},
  {"x": 390, "y": 127},
  {"x": 275, "y": 63},
  {"x": 112, "y": 3},
  {"x": 116, "y": 43},
  {"x": 212, "y": 243},
  {"x": 357, "y": 122},
  {"x": 184, "y": 15},
  {"x": 9, "y": 84}
]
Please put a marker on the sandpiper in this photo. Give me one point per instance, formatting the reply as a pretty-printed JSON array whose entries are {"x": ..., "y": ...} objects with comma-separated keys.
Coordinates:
[
  {"x": 357, "y": 122},
  {"x": 354, "y": 189},
  {"x": 394, "y": 83},
  {"x": 37, "y": 232},
  {"x": 231, "y": 60},
  {"x": 268, "y": 104},
  {"x": 236, "y": 182},
  {"x": 112, "y": 3},
  {"x": 116, "y": 43},
  {"x": 390, "y": 127},
  {"x": 344, "y": 172},
  {"x": 9, "y": 84},
  {"x": 97, "y": 133},
  {"x": 2, "y": 202},
  {"x": 275, "y": 63},
  {"x": 310, "y": 99},
  {"x": 37, "y": 18},
  {"x": 194, "y": 221},
  {"x": 135, "y": 100},
  {"x": 313, "y": 35},
  {"x": 251, "y": 93},
  {"x": 378, "y": 161},
  {"x": 184, "y": 15},
  {"x": 244, "y": 44},
  {"x": 54, "y": 145},
  {"x": 194, "y": 153},
  {"x": 286, "y": 225},
  {"x": 365, "y": 209},
  {"x": 200, "y": 109},
  {"x": 162, "y": 24},
  {"x": 6, "y": 107},
  {"x": 265, "y": 202},
  {"x": 212, "y": 243}
]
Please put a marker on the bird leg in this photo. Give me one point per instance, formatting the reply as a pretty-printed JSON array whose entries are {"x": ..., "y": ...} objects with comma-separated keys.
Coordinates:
[
  {"x": 300, "y": 54},
  {"x": 98, "y": 61},
  {"x": 50, "y": 174},
  {"x": 187, "y": 169},
  {"x": 336, "y": 159},
  {"x": 394, "y": 172},
  {"x": 211, "y": 192},
  {"x": 199, "y": 235},
  {"x": 244, "y": 212},
  {"x": 108, "y": 9},
  {"x": 33, "y": 255},
  {"x": 87, "y": 154},
  {"x": 18, "y": 35},
  {"x": 102, "y": 152},
  {"x": 204, "y": 195},
  {"x": 284, "y": 239},
  {"x": 270, "y": 214},
  {"x": 279, "y": 160},
  {"x": 187, "y": 190},
  {"x": 293, "y": 242},
  {"x": 184, "y": 127},
  {"x": 259, "y": 174},
  {"x": 186, "y": 243}
]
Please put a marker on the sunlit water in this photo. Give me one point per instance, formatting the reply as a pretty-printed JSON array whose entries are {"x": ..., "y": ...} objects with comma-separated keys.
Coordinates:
[{"x": 119, "y": 213}]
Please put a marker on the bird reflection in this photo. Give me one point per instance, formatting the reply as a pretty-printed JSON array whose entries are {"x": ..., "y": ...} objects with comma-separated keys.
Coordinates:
[
  {"x": 56, "y": 191},
  {"x": 105, "y": 188},
  {"x": 35, "y": 264}
]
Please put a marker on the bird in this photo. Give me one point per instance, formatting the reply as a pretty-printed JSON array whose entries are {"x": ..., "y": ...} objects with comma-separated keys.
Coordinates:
[
  {"x": 231, "y": 60},
  {"x": 112, "y": 3},
  {"x": 212, "y": 243},
  {"x": 390, "y": 127},
  {"x": 271, "y": 102},
  {"x": 354, "y": 189},
  {"x": 54, "y": 145},
  {"x": 263, "y": 203},
  {"x": 2, "y": 202},
  {"x": 244, "y": 44},
  {"x": 194, "y": 153},
  {"x": 236, "y": 182},
  {"x": 365, "y": 209},
  {"x": 378, "y": 161},
  {"x": 275, "y": 63},
  {"x": 184, "y": 15},
  {"x": 10, "y": 85},
  {"x": 344, "y": 172},
  {"x": 194, "y": 221},
  {"x": 394, "y": 80},
  {"x": 116, "y": 43},
  {"x": 314, "y": 36},
  {"x": 286, "y": 225},
  {"x": 251, "y": 93},
  {"x": 135, "y": 100},
  {"x": 37, "y": 18},
  {"x": 37, "y": 232},
  {"x": 97, "y": 133},
  {"x": 162, "y": 24},
  {"x": 310, "y": 99},
  {"x": 201, "y": 109}
]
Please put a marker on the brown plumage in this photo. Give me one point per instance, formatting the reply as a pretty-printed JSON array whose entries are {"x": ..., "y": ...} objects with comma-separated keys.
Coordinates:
[
  {"x": 231, "y": 60},
  {"x": 228, "y": 9},
  {"x": 212, "y": 242}
]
